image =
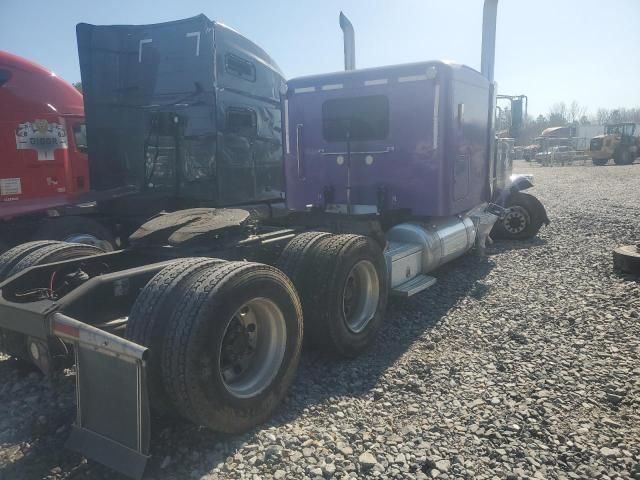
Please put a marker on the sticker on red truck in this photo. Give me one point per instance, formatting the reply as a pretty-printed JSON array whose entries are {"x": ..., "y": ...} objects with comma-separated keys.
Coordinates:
[
  {"x": 10, "y": 186},
  {"x": 42, "y": 136}
]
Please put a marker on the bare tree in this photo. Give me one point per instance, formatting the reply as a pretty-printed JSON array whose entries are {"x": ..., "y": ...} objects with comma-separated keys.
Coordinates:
[
  {"x": 558, "y": 115},
  {"x": 616, "y": 116},
  {"x": 627, "y": 114},
  {"x": 576, "y": 111},
  {"x": 602, "y": 116}
]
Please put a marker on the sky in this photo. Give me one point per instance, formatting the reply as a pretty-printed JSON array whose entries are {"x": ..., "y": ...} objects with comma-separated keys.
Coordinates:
[{"x": 549, "y": 50}]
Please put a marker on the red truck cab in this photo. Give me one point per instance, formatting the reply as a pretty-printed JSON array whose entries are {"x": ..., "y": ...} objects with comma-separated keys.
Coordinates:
[{"x": 43, "y": 160}]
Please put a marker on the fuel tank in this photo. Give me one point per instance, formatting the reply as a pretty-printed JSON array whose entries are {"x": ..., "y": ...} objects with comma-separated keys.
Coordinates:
[{"x": 414, "y": 249}]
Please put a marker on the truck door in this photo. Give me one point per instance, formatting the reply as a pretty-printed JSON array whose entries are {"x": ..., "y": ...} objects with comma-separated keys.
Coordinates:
[{"x": 469, "y": 143}]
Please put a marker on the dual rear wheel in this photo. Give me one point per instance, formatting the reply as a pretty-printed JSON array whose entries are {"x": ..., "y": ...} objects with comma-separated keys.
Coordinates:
[
  {"x": 225, "y": 337},
  {"x": 342, "y": 281}
]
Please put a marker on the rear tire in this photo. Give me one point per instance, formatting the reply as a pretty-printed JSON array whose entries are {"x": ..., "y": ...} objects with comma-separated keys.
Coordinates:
[
  {"x": 220, "y": 371},
  {"x": 623, "y": 157},
  {"x": 57, "y": 252},
  {"x": 149, "y": 315},
  {"x": 524, "y": 219},
  {"x": 295, "y": 254},
  {"x": 11, "y": 257},
  {"x": 627, "y": 259},
  {"x": 77, "y": 229},
  {"x": 344, "y": 293},
  {"x": 600, "y": 162}
]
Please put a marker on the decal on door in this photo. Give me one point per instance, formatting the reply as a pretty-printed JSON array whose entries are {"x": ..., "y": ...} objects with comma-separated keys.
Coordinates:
[
  {"x": 43, "y": 137},
  {"x": 10, "y": 186}
]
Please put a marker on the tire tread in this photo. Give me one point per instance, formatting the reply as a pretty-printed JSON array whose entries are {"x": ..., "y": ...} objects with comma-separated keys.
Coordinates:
[
  {"x": 185, "y": 318},
  {"x": 9, "y": 258},
  {"x": 150, "y": 313}
]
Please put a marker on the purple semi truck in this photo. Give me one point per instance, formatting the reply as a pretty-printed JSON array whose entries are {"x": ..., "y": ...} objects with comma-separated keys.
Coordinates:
[{"x": 387, "y": 174}]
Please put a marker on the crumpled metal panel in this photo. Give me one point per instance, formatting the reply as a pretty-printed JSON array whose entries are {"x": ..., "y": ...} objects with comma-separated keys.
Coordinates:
[
  {"x": 249, "y": 161},
  {"x": 131, "y": 72},
  {"x": 197, "y": 70}
]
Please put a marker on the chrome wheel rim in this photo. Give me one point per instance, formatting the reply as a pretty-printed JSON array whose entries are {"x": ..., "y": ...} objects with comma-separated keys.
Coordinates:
[
  {"x": 360, "y": 296},
  {"x": 516, "y": 220},
  {"x": 252, "y": 348},
  {"x": 88, "y": 239}
]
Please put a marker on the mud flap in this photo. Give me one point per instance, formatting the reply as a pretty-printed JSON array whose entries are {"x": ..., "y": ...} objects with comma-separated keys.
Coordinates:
[{"x": 112, "y": 423}]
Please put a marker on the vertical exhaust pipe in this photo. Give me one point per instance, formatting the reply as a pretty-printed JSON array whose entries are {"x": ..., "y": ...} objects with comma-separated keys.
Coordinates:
[
  {"x": 488, "y": 56},
  {"x": 349, "y": 37}
]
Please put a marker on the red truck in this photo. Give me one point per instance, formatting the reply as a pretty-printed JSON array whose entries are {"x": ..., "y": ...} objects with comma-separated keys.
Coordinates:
[{"x": 44, "y": 168}]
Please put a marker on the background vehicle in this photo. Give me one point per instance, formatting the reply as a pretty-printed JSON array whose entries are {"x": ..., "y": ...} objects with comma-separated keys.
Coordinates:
[
  {"x": 189, "y": 144},
  {"x": 557, "y": 155},
  {"x": 619, "y": 142},
  {"x": 203, "y": 314},
  {"x": 43, "y": 155}
]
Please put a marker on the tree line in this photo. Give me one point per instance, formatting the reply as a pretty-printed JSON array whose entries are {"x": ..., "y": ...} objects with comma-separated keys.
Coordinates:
[{"x": 562, "y": 114}]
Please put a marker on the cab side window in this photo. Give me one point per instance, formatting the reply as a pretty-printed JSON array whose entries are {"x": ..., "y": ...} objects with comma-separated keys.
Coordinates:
[
  {"x": 240, "y": 67},
  {"x": 242, "y": 121},
  {"x": 80, "y": 137}
]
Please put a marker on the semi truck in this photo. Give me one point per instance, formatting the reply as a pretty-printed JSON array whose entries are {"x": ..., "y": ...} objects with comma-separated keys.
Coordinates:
[
  {"x": 388, "y": 173},
  {"x": 50, "y": 190}
]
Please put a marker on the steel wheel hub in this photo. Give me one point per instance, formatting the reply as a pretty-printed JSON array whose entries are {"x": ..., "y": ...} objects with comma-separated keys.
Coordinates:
[
  {"x": 252, "y": 348},
  {"x": 516, "y": 220},
  {"x": 360, "y": 296}
]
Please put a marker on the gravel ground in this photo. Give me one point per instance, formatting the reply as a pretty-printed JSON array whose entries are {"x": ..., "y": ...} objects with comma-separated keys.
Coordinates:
[{"x": 521, "y": 364}]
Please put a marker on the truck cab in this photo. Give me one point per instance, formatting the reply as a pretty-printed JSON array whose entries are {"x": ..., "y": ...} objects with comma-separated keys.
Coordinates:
[
  {"x": 404, "y": 137},
  {"x": 43, "y": 156},
  {"x": 183, "y": 114}
]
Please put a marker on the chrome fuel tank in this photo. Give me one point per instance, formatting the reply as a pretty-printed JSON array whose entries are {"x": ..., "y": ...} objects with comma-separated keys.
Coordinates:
[{"x": 440, "y": 240}]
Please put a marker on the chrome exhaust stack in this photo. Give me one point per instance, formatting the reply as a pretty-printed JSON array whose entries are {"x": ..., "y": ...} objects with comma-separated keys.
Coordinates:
[
  {"x": 488, "y": 56},
  {"x": 349, "y": 37}
]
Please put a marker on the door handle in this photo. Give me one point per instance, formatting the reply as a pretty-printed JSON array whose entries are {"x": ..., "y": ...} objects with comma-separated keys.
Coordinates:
[
  {"x": 299, "y": 149},
  {"x": 371, "y": 152}
]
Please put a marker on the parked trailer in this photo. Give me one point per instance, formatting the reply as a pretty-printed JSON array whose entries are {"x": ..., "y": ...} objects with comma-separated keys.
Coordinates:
[{"x": 390, "y": 173}]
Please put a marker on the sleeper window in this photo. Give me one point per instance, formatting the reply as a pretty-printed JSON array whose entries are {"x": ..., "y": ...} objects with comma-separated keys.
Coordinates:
[{"x": 359, "y": 118}]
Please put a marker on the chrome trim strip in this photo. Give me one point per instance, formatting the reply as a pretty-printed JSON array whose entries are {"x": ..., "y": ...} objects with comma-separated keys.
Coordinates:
[
  {"x": 413, "y": 78},
  {"x": 298, "y": 148},
  {"x": 304, "y": 90},
  {"x": 371, "y": 152},
  {"x": 379, "y": 81},
  {"x": 436, "y": 108},
  {"x": 286, "y": 126}
]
